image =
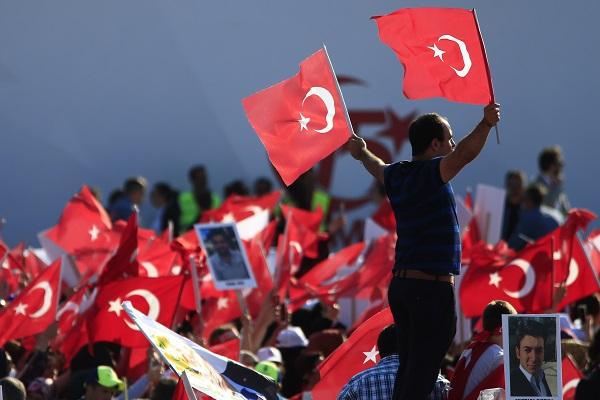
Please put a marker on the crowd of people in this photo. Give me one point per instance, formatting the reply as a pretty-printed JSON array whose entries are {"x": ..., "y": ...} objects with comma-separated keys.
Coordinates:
[{"x": 417, "y": 356}]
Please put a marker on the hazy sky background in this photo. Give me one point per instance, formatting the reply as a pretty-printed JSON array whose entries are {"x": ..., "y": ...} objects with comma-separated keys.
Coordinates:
[{"x": 94, "y": 92}]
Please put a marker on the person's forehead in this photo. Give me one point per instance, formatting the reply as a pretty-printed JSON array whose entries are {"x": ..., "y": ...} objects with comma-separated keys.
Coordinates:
[{"x": 530, "y": 341}]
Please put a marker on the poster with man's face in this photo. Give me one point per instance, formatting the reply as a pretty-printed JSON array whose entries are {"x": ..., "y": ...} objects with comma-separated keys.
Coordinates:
[
  {"x": 532, "y": 359},
  {"x": 226, "y": 256}
]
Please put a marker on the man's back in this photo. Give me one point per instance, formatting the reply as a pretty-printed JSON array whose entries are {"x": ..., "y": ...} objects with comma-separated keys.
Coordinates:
[{"x": 426, "y": 221}]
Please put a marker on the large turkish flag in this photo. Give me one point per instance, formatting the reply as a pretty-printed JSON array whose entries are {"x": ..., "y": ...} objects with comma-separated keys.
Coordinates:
[
  {"x": 442, "y": 53},
  {"x": 301, "y": 120}
]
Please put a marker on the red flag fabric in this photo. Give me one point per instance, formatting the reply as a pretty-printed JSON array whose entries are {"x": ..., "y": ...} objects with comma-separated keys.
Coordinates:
[
  {"x": 83, "y": 224},
  {"x": 525, "y": 282},
  {"x": 329, "y": 267},
  {"x": 356, "y": 354},
  {"x": 301, "y": 120},
  {"x": 124, "y": 263},
  {"x": 384, "y": 216},
  {"x": 69, "y": 310},
  {"x": 238, "y": 208},
  {"x": 442, "y": 52},
  {"x": 577, "y": 219},
  {"x": 571, "y": 375},
  {"x": 157, "y": 297},
  {"x": 219, "y": 311},
  {"x": 580, "y": 281},
  {"x": 229, "y": 349},
  {"x": 35, "y": 307}
]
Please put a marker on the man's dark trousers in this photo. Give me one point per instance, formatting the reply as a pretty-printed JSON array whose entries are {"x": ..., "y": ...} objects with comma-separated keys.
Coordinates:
[{"x": 425, "y": 320}]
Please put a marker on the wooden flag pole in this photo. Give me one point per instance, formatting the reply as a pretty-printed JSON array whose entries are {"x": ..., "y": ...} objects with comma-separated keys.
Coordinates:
[{"x": 487, "y": 68}]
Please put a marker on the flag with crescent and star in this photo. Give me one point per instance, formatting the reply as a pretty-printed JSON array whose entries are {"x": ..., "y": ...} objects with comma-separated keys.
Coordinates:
[
  {"x": 301, "y": 120},
  {"x": 356, "y": 354},
  {"x": 525, "y": 281},
  {"x": 571, "y": 375},
  {"x": 157, "y": 297},
  {"x": 442, "y": 52},
  {"x": 35, "y": 307}
]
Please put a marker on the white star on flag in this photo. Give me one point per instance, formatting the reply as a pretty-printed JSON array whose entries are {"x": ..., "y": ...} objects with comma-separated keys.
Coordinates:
[
  {"x": 228, "y": 217},
  {"x": 303, "y": 122},
  {"x": 20, "y": 308},
  {"x": 495, "y": 279},
  {"x": 94, "y": 232},
  {"x": 222, "y": 303},
  {"x": 437, "y": 52},
  {"x": 371, "y": 355},
  {"x": 115, "y": 306}
]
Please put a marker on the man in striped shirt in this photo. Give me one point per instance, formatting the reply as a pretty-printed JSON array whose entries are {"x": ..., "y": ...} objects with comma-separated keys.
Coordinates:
[
  {"x": 421, "y": 292},
  {"x": 377, "y": 383}
]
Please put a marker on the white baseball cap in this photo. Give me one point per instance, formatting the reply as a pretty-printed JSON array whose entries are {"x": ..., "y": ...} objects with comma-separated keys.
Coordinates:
[
  {"x": 292, "y": 336},
  {"x": 269, "y": 354}
]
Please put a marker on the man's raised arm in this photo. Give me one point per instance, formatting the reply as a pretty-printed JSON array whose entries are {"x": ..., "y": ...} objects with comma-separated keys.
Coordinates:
[
  {"x": 373, "y": 164},
  {"x": 470, "y": 146}
]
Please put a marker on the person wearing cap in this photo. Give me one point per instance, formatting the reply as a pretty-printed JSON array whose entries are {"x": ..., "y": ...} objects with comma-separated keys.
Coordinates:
[
  {"x": 272, "y": 371},
  {"x": 428, "y": 245},
  {"x": 271, "y": 354},
  {"x": 291, "y": 341},
  {"x": 102, "y": 384}
]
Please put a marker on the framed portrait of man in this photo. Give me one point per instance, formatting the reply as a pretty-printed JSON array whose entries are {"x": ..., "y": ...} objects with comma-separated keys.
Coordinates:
[
  {"x": 226, "y": 256},
  {"x": 532, "y": 356}
]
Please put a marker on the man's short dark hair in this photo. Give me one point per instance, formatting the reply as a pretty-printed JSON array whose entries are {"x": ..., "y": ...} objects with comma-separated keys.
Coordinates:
[
  {"x": 133, "y": 184},
  {"x": 387, "y": 342},
  {"x": 492, "y": 314},
  {"x": 528, "y": 327},
  {"x": 515, "y": 173},
  {"x": 195, "y": 169},
  {"x": 217, "y": 232},
  {"x": 548, "y": 156},
  {"x": 535, "y": 193},
  {"x": 423, "y": 130}
]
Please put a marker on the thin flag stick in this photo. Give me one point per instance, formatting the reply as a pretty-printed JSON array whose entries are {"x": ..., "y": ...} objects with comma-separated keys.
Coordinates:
[
  {"x": 337, "y": 85},
  {"x": 487, "y": 68}
]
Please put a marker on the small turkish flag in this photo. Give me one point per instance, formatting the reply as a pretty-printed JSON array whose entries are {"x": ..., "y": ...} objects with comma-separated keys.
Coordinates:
[
  {"x": 525, "y": 282},
  {"x": 124, "y": 263},
  {"x": 108, "y": 322},
  {"x": 229, "y": 349},
  {"x": 442, "y": 53},
  {"x": 34, "y": 309},
  {"x": 83, "y": 224},
  {"x": 301, "y": 120},
  {"x": 356, "y": 354},
  {"x": 571, "y": 375}
]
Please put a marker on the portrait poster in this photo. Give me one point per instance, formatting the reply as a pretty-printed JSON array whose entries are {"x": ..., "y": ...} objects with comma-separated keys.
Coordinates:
[
  {"x": 226, "y": 256},
  {"x": 532, "y": 356}
]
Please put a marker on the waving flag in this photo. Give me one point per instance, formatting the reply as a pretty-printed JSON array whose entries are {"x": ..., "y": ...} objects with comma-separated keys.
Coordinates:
[
  {"x": 442, "y": 52},
  {"x": 356, "y": 354},
  {"x": 35, "y": 307},
  {"x": 525, "y": 281},
  {"x": 301, "y": 120},
  {"x": 212, "y": 374}
]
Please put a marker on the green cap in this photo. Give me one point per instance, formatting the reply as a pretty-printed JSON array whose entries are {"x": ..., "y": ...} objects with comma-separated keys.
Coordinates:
[
  {"x": 108, "y": 378},
  {"x": 269, "y": 369}
]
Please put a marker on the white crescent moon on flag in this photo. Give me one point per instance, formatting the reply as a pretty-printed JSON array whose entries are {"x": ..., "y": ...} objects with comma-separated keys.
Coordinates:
[
  {"x": 527, "y": 269},
  {"x": 464, "y": 53},
  {"x": 153, "y": 305},
  {"x": 45, "y": 286},
  {"x": 572, "y": 384},
  {"x": 573, "y": 273},
  {"x": 69, "y": 306},
  {"x": 327, "y": 98},
  {"x": 151, "y": 270},
  {"x": 296, "y": 246}
]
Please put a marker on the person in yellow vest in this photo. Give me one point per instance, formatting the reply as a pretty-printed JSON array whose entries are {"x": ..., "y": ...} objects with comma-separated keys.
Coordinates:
[{"x": 200, "y": 198}]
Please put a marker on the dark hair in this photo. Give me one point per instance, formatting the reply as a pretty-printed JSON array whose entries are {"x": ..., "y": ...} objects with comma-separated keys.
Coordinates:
[
  {"x": 165, "y": 190},
  {"x": 492, "y": 314},
  {"x": 387, "y": 342},
  {"x": 164, "y": 389},
  {"x": 530, "y": 327},
  {"x": 236, "y": 187},
  {"x": 194, "y": 170},
  {"x": 423, "y": 130},
  {"x": 594, "y": 349},
  {"x": 217, "y": 232},
  {"x": 535, "y": 193},
  {"x": 5, "y": 363},
  {"x": 548, "y": 156},
  {"x": 134, "y": 184},
  {"x": 262, "y": 186},
  {"x": 515, "y": 173}
]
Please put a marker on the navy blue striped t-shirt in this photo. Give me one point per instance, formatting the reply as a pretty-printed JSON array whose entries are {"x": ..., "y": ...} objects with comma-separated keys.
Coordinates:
[{"x": 426, "y": 221}]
